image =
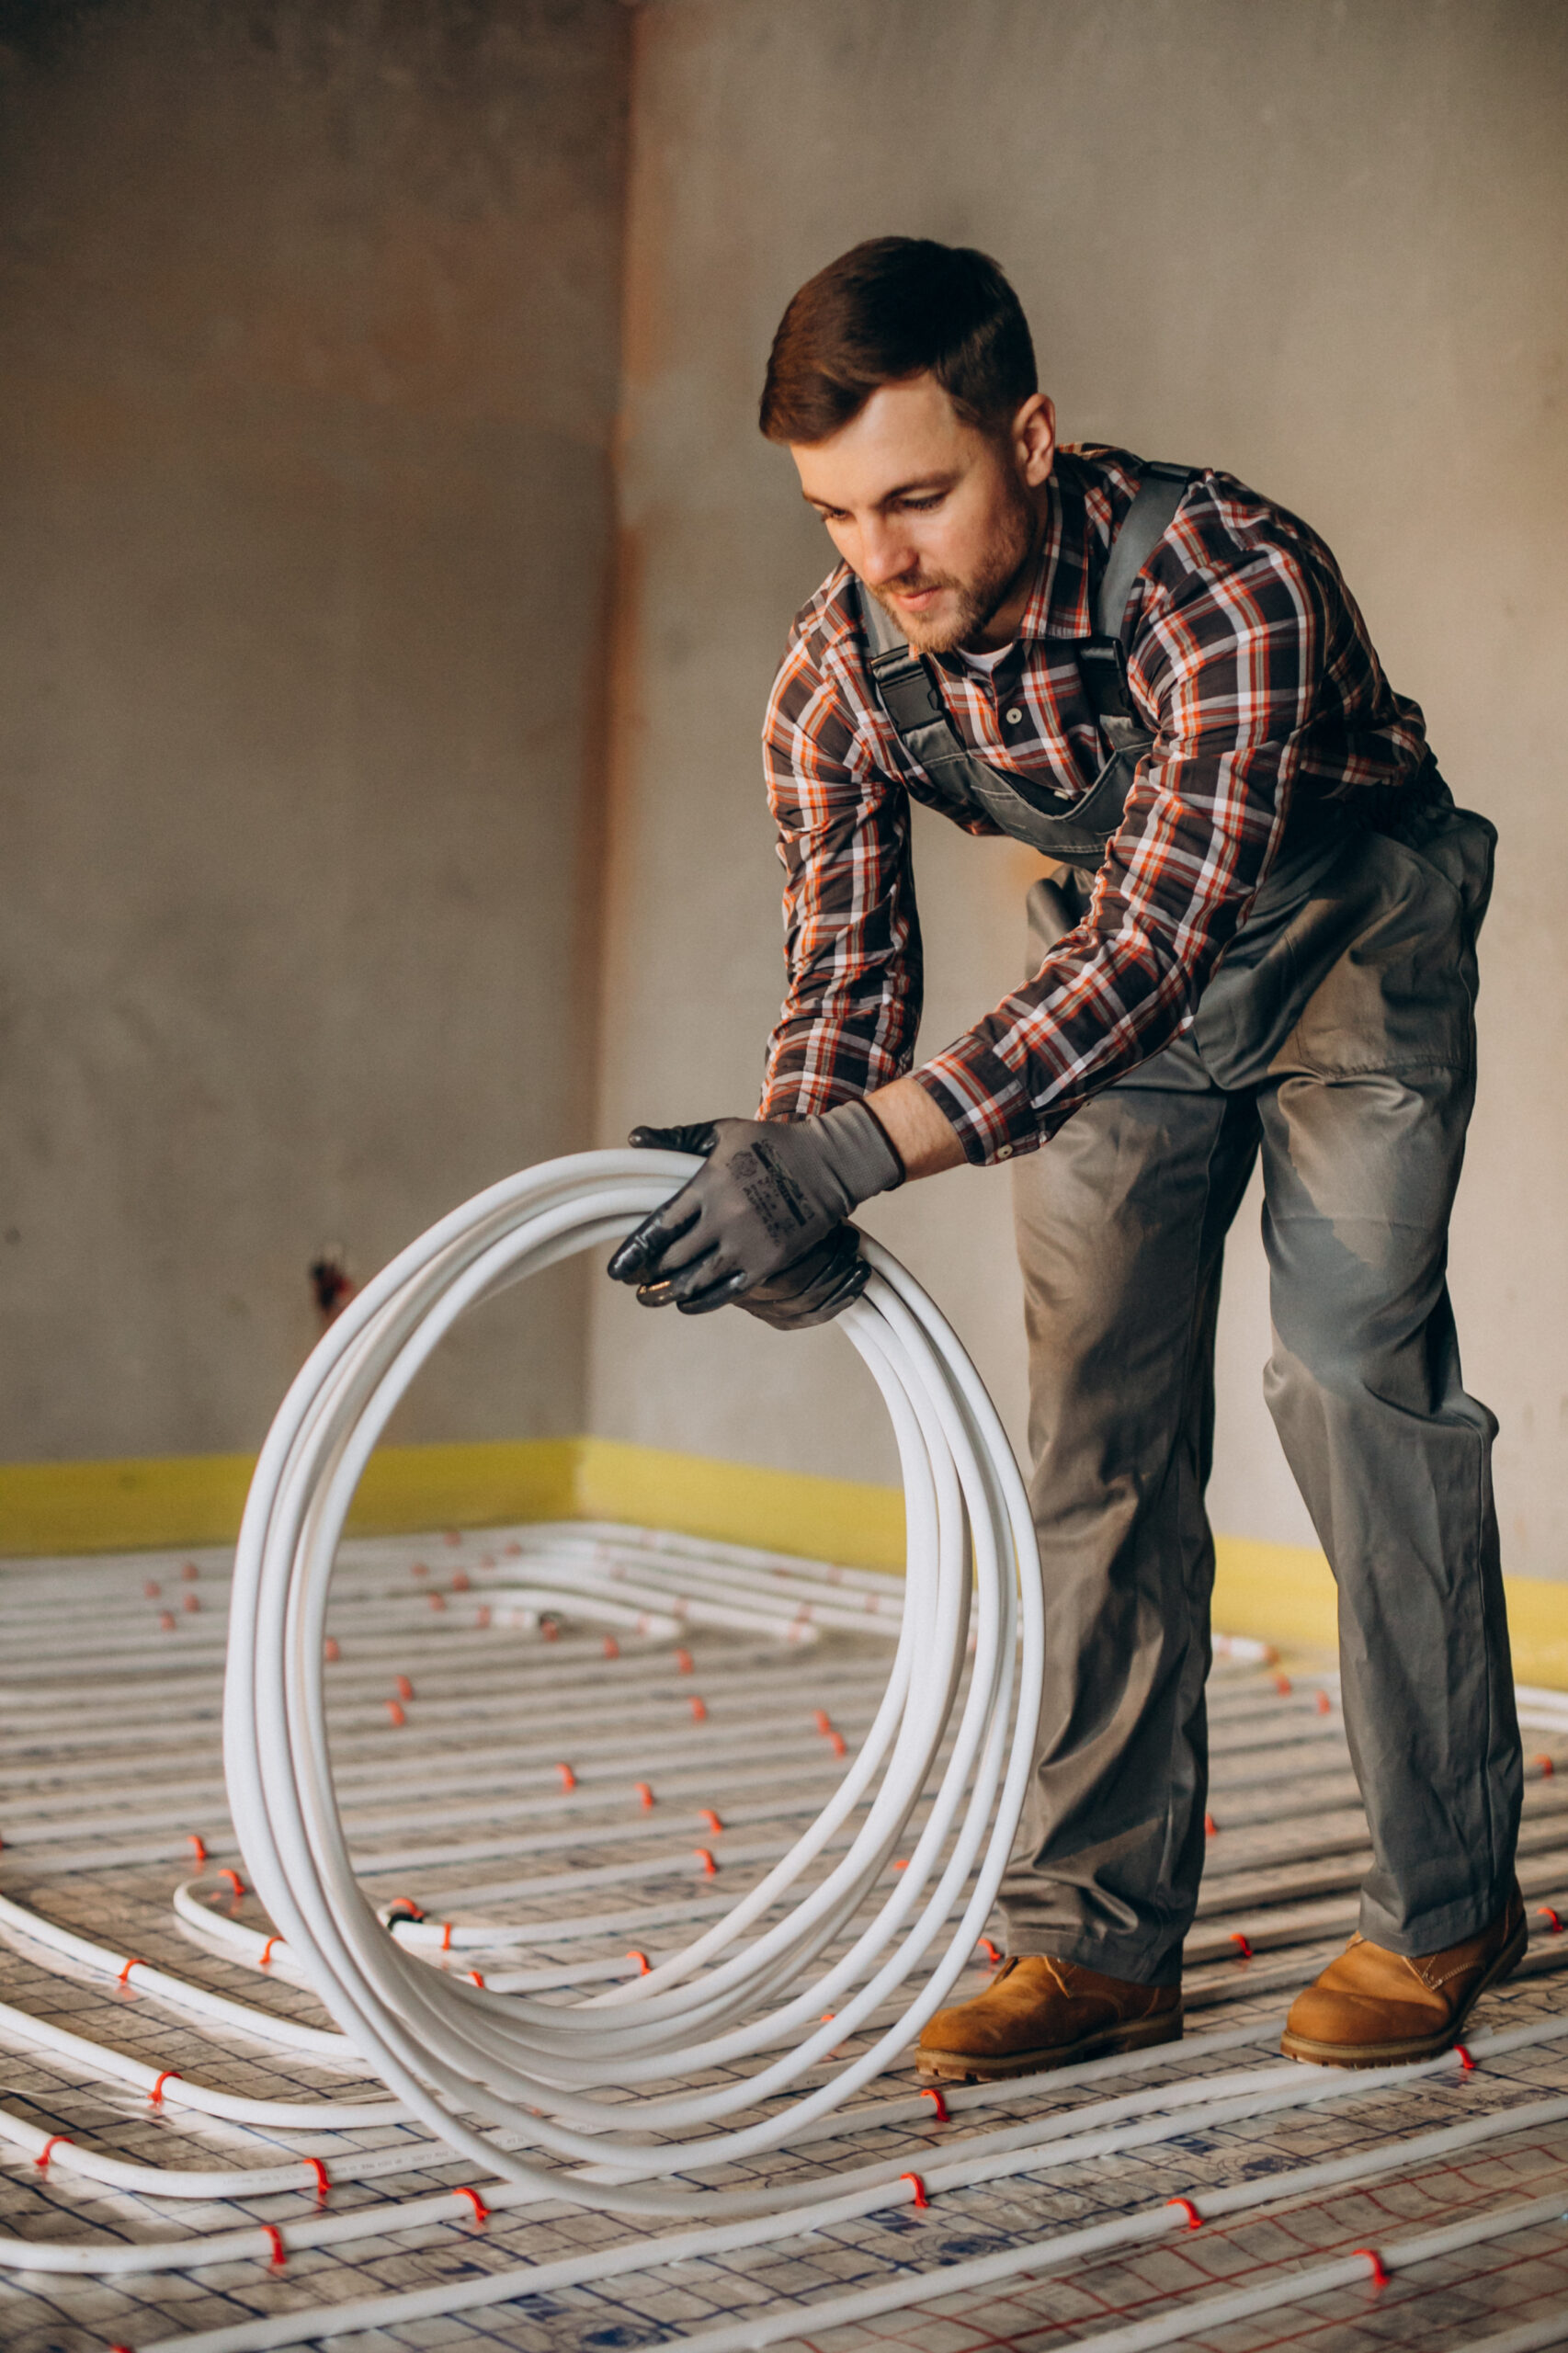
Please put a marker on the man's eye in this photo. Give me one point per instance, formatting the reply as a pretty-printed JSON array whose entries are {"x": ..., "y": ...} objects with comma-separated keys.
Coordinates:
[{"x": 920, "y": 506}]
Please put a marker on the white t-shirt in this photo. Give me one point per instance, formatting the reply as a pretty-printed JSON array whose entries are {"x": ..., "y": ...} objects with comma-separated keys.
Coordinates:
[{"x": 986, "y": 662}]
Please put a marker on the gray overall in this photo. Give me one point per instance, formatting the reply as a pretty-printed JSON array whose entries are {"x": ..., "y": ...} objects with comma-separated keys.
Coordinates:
[{"x": 1337, "y": 1041}]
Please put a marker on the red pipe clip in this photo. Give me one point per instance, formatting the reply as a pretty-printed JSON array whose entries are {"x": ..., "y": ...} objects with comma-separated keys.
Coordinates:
[
  {"x": 190, "y": 1573},
  {"x": 124, "y": 1977},
  {"x": 152, "y": 1591},
  {"x": 190, "y": 1602},
  {"x": 236, "y": 1881},
  {"x": 989, "y": 1949},
  {"x": 1550, "y": 1917},
  {"x": 280, "y": 2256},
  {"x": 683, "y": 1662},
  {"x": 824, "y": 1720},
  {"x": 937, "y": 2102},
  {"x": 1243, "y": 1951},
  {"x": 266, "y": 1950},
  {"x": 549, "y": 1631},
  {"x": 481, "y": 1616},
  {"x": 1193, "y": 2218},
  {"x": 165, "y": 1622},
  {"x": 403, "y": 1688},
  {"x": 1210, "y": 1827},
  {"x": 1325, "y": 1705},
  {"x": 155, "y": 2097},
  {"x": 642, "y": 1961},
  {"x": 55, "y": 2141},
  {"x": 644, "y": 1795},
  {"x": 330, "y": 1651},
  {"x": 197, "y": 1847},
  {"x": 445, "y": 1936},
  {"x": 1282, "y": 1685},
  {"x": 461, "y": 1583},
  {"x": 611, "y": 1647},
  {"x": 918, "y": 2187},
  {"x": 1547, "y": 1767},
  {"x": 710, "y": 1868},
  {"x": 402, "y": 1907},
  {"x": 568, "y": 1779},
  {"x": 323, "y": 2186},
  {"x": 698, "y": 1711},
  {"x": 1467, "y": 2065},
  {"x": 707, "y": 1814},
  {"x": 395, "y": 1712},
  {"x": 436, "y": 1600},
  {"x": 837, "y": 1742},
  {"x": 476, "y": 1979},
  {"x": 1380, "y": 2268},
  {"x": 481, "y": 2210}
]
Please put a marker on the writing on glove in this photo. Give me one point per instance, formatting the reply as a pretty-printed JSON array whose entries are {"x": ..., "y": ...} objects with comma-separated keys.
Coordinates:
[{"x": 762, "y": 1224}]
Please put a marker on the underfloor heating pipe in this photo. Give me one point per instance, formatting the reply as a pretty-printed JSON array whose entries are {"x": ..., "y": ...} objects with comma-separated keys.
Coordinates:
[{"x": 452, "y": 2052}]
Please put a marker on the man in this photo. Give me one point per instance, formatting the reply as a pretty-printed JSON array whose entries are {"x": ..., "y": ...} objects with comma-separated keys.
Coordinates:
[{"x": 1259, "y": 942}]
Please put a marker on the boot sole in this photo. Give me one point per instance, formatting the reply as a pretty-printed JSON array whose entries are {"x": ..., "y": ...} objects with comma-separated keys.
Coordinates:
[
  {"x": 1427, "y": 2046},
  {"x": 958, "y": 2067}
]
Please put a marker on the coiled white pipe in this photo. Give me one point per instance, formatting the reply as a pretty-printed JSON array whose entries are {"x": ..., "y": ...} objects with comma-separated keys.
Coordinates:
[{"x": 450, "y": 2050}]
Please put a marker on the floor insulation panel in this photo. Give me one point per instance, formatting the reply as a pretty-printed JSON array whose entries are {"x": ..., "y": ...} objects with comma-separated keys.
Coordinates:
[{"x": 579, "y": 1788}]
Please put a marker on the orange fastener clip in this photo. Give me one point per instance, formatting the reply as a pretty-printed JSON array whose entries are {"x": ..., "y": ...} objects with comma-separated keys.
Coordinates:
[
  {"x": 477, "y": 1979},
  {"x": 698, "y": 1711},
  {"x": 900, "y": 1862},
  {"x": 917, "y": 2185},
  {"x": 266, "y": 1949},
  {"x": 1380, "y": 2268},
  {"x": 323, "y": 2186},
  {"x": 1550, "y": 1917},
  {"x": 710, "y": 1868},
  {"x": 568, "y": 1779},
  {"x": 937, "y": 2102},
  {"x": 711, "y": 1818},
  {"x": 236, "y": 1881},
  {"x": 837, "y": 1742},
  {"x": 1467, "y": 2065},
  {"x": 462, "y": 1582},
  {"x": 683, "y": 1662},
  {"x": 125, "y": 1973},
  {"x": 330, "y": 1651},
  {"x": 190, "y": 1573},
  {"x": 404, "y": 1688},
  {"x": 436, "y": 1600},
  {"x": 1281, "y": 1684},
  {"x": 612, "y": 1648},
  {"x": 55, "y": 2141},
  {"x": 990, "y": 1950},
  {"x": 155, "y": 2097},
  {"x": 644, "y": 1795},
  {"x": 278, "y": 2257},
  {"x": 824, "y": 1720},
  {"x": 151, "y": 1590},
  {"x": 194, "y": 1842},
  {"x": 166, "y": 1621},
  {"x": 190, "y": 1602},
  {"x": 481, "y": 2210},
  {"x": 395, "y": 1712},
  {"x": 549, "y": 1631},
  {"x": 1210, "y": 1827},
  {"x": 1243, "y": 1951},
  {"x": 445, "y": 1936},
  {"x": 642, "y": 1961},
  {"x": 1547, "y": 1768},
  {"x": 1193, "y": 2218}
]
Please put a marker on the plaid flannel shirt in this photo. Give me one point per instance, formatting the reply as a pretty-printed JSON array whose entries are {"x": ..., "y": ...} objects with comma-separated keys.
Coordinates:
[{"x": 1252, "y": 665}]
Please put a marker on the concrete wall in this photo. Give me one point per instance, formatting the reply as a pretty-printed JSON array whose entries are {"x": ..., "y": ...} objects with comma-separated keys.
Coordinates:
[
  {"x": 308, "y": 328},
  {"x": 1322, "y": 245}
]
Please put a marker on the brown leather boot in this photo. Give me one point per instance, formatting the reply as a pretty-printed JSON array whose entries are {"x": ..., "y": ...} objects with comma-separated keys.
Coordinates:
[
  {"x": 1373, "y": 2008},
  {"x": 1037, "y": 2014}
]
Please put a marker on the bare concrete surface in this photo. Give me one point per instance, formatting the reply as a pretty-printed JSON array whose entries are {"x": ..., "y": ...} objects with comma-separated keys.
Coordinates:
[{"x": 308, "y": 334}]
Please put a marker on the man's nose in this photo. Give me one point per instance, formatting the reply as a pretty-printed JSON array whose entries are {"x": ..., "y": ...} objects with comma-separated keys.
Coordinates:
[{"x": 885, "y": 555}]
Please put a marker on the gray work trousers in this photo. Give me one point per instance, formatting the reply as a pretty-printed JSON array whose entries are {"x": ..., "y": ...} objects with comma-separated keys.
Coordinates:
[{"x": 1336, "y": 1040}]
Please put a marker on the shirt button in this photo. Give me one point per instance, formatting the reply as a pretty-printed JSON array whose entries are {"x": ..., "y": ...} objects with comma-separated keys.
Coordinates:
[
  {"x": 1014, "y": 716},
  {"x": 1003, "y": 1152}
]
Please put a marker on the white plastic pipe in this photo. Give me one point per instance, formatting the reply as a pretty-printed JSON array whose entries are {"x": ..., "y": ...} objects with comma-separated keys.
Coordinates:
[{"x": 451, "y": 2052}]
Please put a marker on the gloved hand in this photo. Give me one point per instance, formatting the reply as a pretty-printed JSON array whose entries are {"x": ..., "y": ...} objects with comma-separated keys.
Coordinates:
[{"x": 763, "y": 1223}]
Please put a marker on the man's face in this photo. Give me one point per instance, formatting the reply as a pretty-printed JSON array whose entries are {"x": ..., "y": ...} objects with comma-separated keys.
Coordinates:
[{"x": 937, "y": 517}]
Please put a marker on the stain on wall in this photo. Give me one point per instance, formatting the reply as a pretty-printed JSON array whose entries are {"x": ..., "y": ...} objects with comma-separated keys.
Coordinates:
[{"x": 309, "y": 321}]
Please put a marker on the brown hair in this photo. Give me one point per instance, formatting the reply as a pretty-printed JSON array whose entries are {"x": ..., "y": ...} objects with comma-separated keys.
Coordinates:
[{"x": 890, "y": 308}]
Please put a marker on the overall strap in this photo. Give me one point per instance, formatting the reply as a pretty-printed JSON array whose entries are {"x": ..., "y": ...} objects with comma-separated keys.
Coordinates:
[{"x": 1072, "y": 829}]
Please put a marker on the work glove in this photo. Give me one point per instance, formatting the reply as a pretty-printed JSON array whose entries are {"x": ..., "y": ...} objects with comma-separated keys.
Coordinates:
[{"x": 763, "y": 1225}]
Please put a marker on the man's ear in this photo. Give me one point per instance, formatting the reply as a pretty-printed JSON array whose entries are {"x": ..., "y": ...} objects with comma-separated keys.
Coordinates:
[{"x": 1033, "y": 438}]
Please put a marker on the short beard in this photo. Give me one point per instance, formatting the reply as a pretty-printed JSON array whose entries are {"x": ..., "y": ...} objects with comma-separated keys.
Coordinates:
[{"x": 979, "y": 597}]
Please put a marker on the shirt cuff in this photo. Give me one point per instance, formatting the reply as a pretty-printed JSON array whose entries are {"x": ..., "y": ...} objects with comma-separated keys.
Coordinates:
[{"x": 987, "y": 1103}]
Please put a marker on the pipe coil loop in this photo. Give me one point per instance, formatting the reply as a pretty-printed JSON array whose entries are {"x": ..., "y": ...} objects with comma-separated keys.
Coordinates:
[{"x": 742, "y": 1996}]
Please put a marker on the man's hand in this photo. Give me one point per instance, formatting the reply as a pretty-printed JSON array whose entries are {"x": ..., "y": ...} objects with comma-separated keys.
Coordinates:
[{"x": 763, "y": 1223}]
